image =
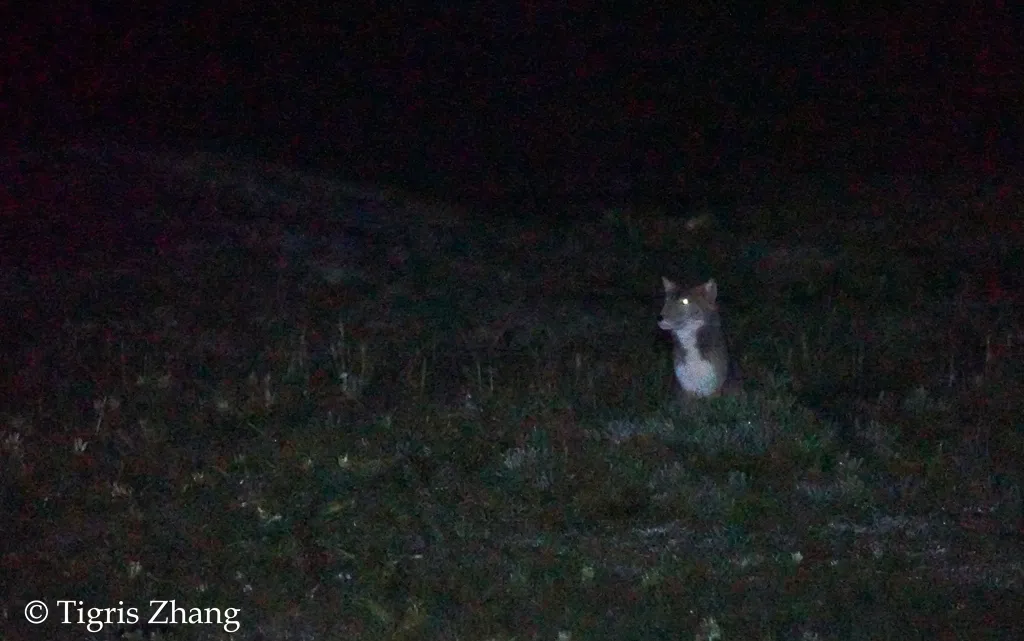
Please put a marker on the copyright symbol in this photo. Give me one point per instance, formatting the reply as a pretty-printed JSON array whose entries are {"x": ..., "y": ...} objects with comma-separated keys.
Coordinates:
[{"x": 36, "y": 612}]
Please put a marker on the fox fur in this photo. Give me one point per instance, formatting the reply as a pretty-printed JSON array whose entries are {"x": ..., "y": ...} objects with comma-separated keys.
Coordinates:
[{"x": 701, "y": 354}]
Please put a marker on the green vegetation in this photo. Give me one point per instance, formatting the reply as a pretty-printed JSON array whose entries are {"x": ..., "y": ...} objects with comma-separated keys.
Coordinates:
[{"x": 469, "y": 433}]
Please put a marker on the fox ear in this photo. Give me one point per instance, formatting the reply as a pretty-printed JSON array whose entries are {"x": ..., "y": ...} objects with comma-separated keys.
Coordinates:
[
  {"x": 669, "y": 285},
  {"x": 711, "y": 290}
]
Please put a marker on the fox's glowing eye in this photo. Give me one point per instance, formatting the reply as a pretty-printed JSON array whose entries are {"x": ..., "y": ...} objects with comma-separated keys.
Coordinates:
[{"x": 684, "y": 301}]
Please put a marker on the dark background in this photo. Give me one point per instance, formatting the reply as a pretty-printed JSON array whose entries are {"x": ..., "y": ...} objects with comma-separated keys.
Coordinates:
[{"x": 529, "y": 103}]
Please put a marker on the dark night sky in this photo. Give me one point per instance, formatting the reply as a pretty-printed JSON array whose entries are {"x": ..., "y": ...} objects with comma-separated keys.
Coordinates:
[{"x": 494, "y": 102}]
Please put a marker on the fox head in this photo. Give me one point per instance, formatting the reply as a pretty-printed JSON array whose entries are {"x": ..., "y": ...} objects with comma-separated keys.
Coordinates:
[{"x": 689, "y": 308}]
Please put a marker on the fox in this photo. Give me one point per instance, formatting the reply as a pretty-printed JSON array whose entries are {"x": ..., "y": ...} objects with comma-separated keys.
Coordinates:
[{"x": 701, "y": 354}]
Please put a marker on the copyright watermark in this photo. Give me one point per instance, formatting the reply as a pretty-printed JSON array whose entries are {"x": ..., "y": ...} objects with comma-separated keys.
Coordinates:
[
  {"x": 36, "y": 612},
  {"x": 72, "y": 612}
]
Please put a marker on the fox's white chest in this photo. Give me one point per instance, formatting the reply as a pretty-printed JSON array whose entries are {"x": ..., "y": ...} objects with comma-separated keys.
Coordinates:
[{"x": 695, "y": 375}]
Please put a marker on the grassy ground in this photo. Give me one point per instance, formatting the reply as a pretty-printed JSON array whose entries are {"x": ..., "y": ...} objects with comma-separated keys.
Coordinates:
[{"x": 463, "y": 427}]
